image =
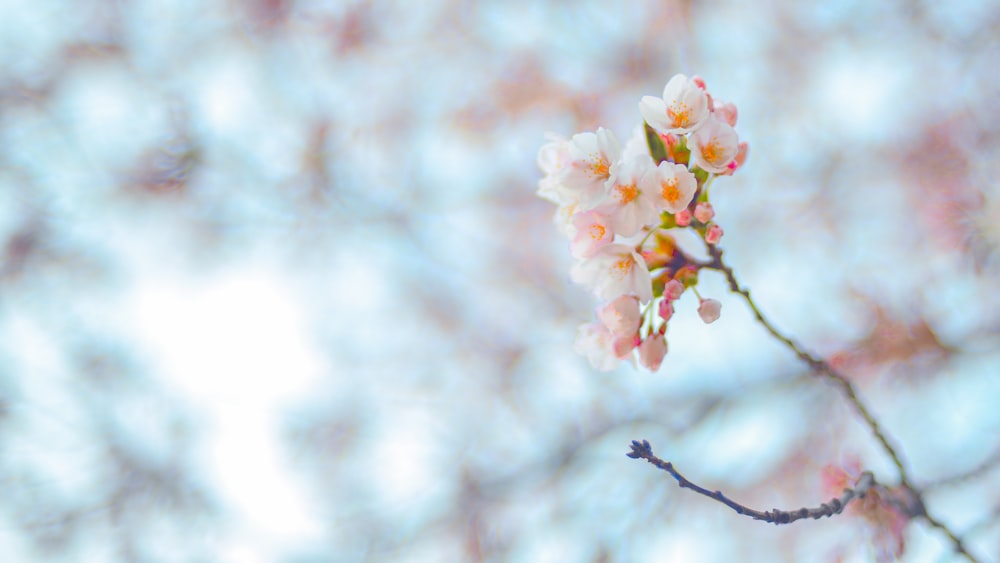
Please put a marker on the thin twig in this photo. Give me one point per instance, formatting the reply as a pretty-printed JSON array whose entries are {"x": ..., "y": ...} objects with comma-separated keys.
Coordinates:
[
  {"x": 642, "y": 450},
  {"x": 823, "y": 369},
  {"x": 991, "y": 519},
  {"x": 980, "y": 470}
]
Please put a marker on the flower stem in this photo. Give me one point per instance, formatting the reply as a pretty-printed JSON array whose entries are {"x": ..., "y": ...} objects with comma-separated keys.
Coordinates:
[{"x": 645, "y": 238}]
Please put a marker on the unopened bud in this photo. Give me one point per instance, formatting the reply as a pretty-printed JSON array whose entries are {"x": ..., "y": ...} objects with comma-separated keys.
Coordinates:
[{"x": 709, "y": 310}]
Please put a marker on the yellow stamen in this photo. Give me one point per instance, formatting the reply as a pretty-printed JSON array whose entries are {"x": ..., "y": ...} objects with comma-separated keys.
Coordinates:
[
  {"x": 711, "y": 152},
  {"x": 622, "y": 267},
  {"x": 626, "y": 193},
  {"x": 679, "y": 114},
  {"x": 599, "y": 167},
  {"x": 670, "y": 191}
]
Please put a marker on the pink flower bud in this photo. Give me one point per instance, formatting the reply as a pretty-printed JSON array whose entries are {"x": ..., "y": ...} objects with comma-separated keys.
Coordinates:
[
  {"x": 666, "y": 310},
  {"x": 698, "y": 81},
  {"x": 652, "y": 350},
  {"x": 704, "y": 212},
  {"x": 672, "y": 290},
  {"x": 713, "y": 234},
  {"x": 683, "y": 218},
  {"x": 742, "y": 153},
  {"x": 622, "y": 345},
  {"x": 741, "y": 157},
  {"x": 669, "y": 140},
  {"x": 727, "y": 112},
  {"x": 709, "y": 310}
]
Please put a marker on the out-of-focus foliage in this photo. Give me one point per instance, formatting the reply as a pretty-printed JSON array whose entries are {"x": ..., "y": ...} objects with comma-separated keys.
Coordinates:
[{"x": 275, "y": 285}]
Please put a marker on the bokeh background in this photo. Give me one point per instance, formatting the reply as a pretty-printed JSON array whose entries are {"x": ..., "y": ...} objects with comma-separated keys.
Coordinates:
[{"x": 275, "y": 284}]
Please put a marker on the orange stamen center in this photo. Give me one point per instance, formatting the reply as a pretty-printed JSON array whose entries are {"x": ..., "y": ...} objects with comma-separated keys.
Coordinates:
[
  {"x": 622, "y": 268},
  {"x": 626, "y": 193},
  {"x": 670, "y": 191},
  {"x": 712, "y": 152},
  {"x": 679, "y": 114},
  {"x": 599, "y": 167}
]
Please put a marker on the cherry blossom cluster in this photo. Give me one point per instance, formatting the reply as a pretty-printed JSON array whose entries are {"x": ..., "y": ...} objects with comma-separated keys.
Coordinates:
[{"x": 617, "y": 206}]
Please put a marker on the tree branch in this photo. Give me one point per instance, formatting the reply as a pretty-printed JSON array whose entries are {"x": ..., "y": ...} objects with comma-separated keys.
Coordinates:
[
  {"x": 817, "y": 365},
  {"x": 823, "y": 369},
  {"x": 642, "y": 450}
]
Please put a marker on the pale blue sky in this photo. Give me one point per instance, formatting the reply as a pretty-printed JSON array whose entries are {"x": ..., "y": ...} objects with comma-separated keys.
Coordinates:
[{"x": 276, "y": 285}]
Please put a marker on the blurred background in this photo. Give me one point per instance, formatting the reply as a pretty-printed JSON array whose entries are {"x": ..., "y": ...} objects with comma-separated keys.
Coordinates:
[{"x": 276, "y": 286}]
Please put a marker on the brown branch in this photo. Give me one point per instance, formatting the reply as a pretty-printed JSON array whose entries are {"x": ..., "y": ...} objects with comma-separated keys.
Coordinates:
[
  {"x": 823, "y": 369},
  {"x": 642, "y": 450},
  {"x": 817, "y": 365}
]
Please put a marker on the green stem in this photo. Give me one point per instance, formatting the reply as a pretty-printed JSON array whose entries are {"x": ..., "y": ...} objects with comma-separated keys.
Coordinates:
[
  {"x": 708, "y": 184},
  {"x": 645, "y": 238}
]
